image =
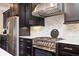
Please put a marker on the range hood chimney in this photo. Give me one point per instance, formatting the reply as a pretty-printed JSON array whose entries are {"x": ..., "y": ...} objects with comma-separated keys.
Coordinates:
[{"x": 46, "y": 9}]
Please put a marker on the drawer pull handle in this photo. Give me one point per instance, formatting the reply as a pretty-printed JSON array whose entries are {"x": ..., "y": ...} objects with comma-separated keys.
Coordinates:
[
  {"x": 28, "y": 41},
  {"x": 67, "y": 48},
  {"x": 21, "y": 39},
  {"x": 28, "y": 47}
]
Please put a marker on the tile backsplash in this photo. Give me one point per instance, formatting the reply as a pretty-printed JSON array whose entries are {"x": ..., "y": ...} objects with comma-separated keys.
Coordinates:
[{"x": 67, "y": 31}]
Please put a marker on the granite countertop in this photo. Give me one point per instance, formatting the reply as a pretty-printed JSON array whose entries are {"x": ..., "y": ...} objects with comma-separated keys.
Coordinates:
[
  {"x": 4, "y": 53},
  {"x": 3, "y": 34},
  {"x": 30, "y": 37},
  {"x": 74, "y": 41}
]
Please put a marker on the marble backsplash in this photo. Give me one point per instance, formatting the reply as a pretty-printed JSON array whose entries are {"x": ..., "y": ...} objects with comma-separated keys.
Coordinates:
[{"x": 66, "y": 31}]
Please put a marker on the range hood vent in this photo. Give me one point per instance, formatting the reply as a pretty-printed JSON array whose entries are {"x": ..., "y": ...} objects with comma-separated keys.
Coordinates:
[{"x": 46, "y": 9}]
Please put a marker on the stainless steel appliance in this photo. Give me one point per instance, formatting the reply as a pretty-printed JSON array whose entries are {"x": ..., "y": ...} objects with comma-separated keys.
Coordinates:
[
  {"x": 43, "y": 46},
  {"x": 13, "y": 35},
  {"x": 45, "y": 43}
]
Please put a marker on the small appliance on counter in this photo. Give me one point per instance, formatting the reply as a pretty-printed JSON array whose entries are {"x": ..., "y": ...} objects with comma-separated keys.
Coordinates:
[
  {"x": 54, "y": 33},
  {"x": 5, "y": 31}
]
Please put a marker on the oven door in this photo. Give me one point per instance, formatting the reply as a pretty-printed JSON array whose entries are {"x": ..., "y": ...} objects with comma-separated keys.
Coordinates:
[{"x": 41, "y": 52}]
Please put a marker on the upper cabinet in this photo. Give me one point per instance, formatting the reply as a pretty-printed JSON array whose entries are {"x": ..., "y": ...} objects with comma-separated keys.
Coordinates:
[
  {"x": 36, "y": 21},
  {"x": 71, "y": 11},
  {"x": 24, "y": 11},
  {"x": 6, "y": 14},
  {"x": 4, "y": 19},
  {"x": 25, "y": 14}
]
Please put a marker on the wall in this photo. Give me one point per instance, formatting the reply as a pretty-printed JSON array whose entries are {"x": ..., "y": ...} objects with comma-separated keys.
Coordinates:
[
  {"x": 53, "y": 22},
  {"x": 3, "y": 8},
  {"x": 1, "y": 22},
  {"x": 70, "y": 31}
]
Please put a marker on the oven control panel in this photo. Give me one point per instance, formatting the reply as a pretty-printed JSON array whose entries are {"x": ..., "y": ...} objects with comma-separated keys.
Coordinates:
[{"x": 44, "y": 42}]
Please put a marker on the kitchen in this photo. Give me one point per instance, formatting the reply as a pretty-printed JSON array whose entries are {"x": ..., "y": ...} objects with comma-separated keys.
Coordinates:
[{"x": 31, "y": 31}]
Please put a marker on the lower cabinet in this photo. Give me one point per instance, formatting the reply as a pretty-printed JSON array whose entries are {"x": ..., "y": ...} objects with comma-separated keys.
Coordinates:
[
  {"x": 25, "y": 47},
  {"x": 41, "y": 52},
  {"x": 3, "y": 42},
  {"x": 63, "y": 49}
]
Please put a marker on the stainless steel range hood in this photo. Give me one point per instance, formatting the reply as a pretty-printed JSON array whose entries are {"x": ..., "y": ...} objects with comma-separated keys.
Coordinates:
[{"x": 47, "y": 9}]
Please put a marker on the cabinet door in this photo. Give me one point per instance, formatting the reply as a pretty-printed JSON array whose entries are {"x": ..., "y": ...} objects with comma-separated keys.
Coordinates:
[
  {"x": 28, "y": 50},
  {"x": 37, "y": 21},
  {"x": 28, "y": 15},
  {"x": 22, "y": 14},
  {"x": 25, "y": 47},
  {"x": 28, "y": 47},
  {"x": 21, "y": 47},
  {"x": 71, "y": 11},
  {"x": 25, "y": 14},
  {"x": 6, "y": 14},
  {"x": 64, "y": 49},
  {"x": 4, "y": 20},
  {"x": 41, "y": 52}
]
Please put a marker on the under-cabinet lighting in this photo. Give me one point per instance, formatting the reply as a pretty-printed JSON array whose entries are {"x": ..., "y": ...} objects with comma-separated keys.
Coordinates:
[
  {"x": 24, "y": 28},
  {"x": 74, "y": 27},
  {"x": 37, "y": 28}
]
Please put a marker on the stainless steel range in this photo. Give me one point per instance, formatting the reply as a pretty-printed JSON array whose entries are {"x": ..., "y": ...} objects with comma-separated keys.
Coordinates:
[{"x": 45, "y": 43}]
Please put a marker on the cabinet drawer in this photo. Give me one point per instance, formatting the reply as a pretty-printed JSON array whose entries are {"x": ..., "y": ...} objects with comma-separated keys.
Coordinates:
[
  {"x": 21, "y": 40},
  {"x": 69, "y": 48},
  {"x": 67, "y": 54},
  {"x": 21, "y": 47},
  {"x": 29, "y": 41}
]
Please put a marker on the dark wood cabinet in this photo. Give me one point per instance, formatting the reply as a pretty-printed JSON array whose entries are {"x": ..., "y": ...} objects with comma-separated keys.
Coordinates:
[
  {"x": 25, "y": 13},
  {"x": 4, "y": 20},
  {"x": 71, "y": 11},
  {"x": 37, "y": 21},
  {"x": 28, "y": 12},
  {"x": 26, "y": 18},
  {"x": 22, "y": 20},
  {"x": 21, "y": 47},
  {"x": 63, "y": 49},
  {"x": 3, "y": 42},
  {"x": 25, "y": 47},
  {"x": 6, "y": 14}
]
